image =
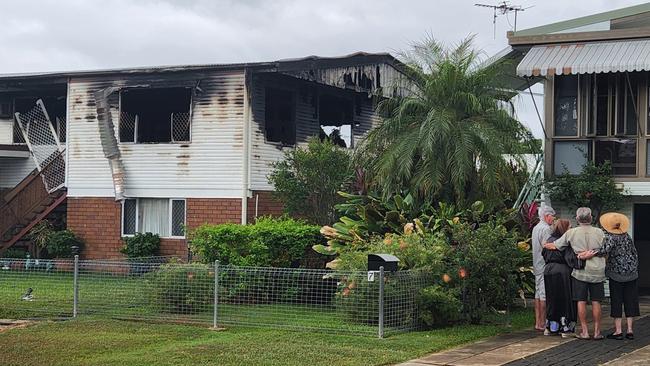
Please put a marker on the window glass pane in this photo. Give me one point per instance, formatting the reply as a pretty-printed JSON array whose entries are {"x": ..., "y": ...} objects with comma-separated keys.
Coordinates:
[
  {"x": 128, "y": 223},
  {"x": 621, "y": 153},
  {"x": 566, "y": 105},
  {"x": 632, "y": 91},
  {"x": 601, "y": 104},
  {"x": 153, "y": 216},
  {"x": 570, "y": 156},
  {"x": 178, "y": 218}
]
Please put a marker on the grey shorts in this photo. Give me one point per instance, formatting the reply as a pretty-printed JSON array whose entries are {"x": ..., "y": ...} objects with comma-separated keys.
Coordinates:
[{"x": 540, "y": 290}]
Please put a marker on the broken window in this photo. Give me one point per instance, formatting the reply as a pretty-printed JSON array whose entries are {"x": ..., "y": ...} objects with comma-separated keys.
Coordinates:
[
  {"x": 620, "y": 153},
  {"x": 161, "y": 216},
  {"x": 280, "y": 116},
  {"x": 155, "y": 115},
  {"x": 336, "y": 117}
]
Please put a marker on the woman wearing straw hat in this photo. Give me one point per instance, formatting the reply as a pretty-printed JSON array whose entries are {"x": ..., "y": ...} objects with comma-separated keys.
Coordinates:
[{"x": 622, "y": 271}]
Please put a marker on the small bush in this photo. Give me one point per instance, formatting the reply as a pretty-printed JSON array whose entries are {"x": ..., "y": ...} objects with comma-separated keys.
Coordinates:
[
  {"x": 183, "y": 288},
  {"x": 15, "y": 253},
  {"x": 270, "y": 242},
  {"x": 141, "y": 245},
  {"x": 439, "y": 306},
  {"x": 60, "y": 243}
]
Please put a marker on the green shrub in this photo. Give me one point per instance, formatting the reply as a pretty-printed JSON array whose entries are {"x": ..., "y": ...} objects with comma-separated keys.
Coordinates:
[
  {"x": 307, "y": 180},
  {"x": 270, "y": 242},
  {"x": 183, "y": 288},
  {"x": 60, "y": 243},
  {"x": 491, "y": 258},
  {"x": 141, "y": 245},
  {"x": 439, "y": 305},
  {"x": 15, "y": 253},
  {"x": 357, "y": 298}
]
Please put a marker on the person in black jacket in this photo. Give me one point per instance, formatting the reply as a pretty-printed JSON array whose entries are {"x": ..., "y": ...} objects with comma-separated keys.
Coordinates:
[{"x": 561, "y": 312}]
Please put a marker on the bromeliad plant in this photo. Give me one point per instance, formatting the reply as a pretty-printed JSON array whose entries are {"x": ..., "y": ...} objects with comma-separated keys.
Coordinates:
[{"x": 366, "y": 216}]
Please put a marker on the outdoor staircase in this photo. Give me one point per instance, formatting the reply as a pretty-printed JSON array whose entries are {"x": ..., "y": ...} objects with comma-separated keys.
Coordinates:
[
  {"x": 532, "y": 189},
  {"x": 25, "y": 206}
]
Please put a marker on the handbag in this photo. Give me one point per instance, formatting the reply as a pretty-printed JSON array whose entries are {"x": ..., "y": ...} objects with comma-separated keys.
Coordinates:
[{"x": 572, "y": 259}]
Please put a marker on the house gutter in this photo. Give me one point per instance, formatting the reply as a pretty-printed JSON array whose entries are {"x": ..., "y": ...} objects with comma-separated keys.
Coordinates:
[
  {"x": 246, "y": 147},
  {"x": 108, "y": 140}
]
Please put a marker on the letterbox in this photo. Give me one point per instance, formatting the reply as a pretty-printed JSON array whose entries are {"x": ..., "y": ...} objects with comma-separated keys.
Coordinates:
[{"x": 388, "y": 261}]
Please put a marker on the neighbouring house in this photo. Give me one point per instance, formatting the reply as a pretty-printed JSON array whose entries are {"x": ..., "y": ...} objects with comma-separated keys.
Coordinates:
[
  {"x": 166, "y": 149},
  {"x": 595, "y": 73}
]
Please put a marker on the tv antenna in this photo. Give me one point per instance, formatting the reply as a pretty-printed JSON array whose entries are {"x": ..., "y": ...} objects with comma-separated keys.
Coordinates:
[{"x": 504, "y": 8}]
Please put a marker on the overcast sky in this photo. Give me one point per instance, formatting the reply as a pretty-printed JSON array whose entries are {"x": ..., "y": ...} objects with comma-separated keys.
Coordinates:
[{"x": 87, "y": 34}]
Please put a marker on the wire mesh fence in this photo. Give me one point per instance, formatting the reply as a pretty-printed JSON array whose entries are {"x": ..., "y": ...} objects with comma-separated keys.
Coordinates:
[{"x": 164, "y": 289}]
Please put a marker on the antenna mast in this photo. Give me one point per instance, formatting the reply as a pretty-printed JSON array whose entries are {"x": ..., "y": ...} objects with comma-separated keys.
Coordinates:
[{"x": 504, "y": 8}]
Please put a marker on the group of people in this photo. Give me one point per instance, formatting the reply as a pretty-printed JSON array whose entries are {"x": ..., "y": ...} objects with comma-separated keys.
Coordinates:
[{"x": 571, "y": 266}]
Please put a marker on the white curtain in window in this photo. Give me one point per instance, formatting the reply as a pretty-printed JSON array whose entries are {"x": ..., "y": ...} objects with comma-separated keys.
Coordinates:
[{"x": 154, "y": 216}]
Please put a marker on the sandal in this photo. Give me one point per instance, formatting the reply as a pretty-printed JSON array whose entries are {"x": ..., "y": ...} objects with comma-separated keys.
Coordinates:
[
  {"x": 584, "y": 338},
  {"x": 629, "y": 336},
  {"x": 598, "y": 337},
  {"x": 618, "y": 337}
]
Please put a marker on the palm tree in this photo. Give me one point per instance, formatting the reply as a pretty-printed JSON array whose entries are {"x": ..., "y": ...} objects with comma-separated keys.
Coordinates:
[{"x": 445, "y": 139}]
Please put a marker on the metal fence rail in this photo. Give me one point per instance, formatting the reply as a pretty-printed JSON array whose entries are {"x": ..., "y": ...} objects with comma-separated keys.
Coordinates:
[{"x": 347, "y": 302}]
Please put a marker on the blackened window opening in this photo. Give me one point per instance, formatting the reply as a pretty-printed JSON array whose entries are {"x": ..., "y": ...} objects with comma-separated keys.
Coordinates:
[
  {"x": 280, "y": 116},
  {"x": 155, "y": 115},
  {"x": 336, "y": 118}
]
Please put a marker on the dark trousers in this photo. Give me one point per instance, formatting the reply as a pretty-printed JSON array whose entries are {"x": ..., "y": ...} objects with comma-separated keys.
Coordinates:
[{"x": 624, "y": 294}]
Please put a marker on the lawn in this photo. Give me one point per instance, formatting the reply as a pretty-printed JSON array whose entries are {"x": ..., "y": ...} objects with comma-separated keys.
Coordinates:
[
  {"x": 95, "y": 341},
  {"x": 98, "y": 338}
]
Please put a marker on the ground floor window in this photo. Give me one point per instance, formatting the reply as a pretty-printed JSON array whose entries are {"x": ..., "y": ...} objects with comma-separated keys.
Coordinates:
[{"x": 162, "y": 216}]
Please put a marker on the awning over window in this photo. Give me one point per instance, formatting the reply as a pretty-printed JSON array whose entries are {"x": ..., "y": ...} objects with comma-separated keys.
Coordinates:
[{"x": 586, "y": 58}]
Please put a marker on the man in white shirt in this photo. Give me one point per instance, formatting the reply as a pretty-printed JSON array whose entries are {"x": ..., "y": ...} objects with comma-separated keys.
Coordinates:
[{"x": 541, "y": 233}]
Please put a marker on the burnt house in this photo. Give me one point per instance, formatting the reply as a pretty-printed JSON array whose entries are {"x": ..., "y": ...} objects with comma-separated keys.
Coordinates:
[{"x": 166, "y": 149}]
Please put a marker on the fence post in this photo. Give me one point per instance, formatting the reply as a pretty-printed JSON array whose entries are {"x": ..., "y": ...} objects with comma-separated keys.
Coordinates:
[
  {"x": 381, "y": 302},
  {"x": 216, "y": 293},
  {"x": 75, "y": 285}
]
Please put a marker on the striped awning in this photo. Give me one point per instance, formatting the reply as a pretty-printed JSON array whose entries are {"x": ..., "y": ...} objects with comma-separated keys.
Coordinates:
[{"x": 586, "y": 58}]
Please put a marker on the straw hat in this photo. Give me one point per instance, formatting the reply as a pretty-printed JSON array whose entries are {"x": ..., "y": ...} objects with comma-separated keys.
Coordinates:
[{"x": 615, "y": 223}]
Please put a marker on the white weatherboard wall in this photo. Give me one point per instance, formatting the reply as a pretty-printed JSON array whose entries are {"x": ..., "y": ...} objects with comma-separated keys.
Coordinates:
[
  {"x": 6, "y": 131},
  {"x": 209, "y": 166},
  {"x": 264, "y": 153},
  {"x": 14, "y": 170}
]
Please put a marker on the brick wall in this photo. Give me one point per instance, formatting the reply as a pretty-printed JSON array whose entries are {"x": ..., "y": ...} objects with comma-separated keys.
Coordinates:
[
  {"x": 97, "y": 221},
  {"x": 266, "y": 205}
]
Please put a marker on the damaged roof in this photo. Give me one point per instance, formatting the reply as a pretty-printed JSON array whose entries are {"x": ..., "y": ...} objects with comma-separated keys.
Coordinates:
[{"x": 305, "y": 63}]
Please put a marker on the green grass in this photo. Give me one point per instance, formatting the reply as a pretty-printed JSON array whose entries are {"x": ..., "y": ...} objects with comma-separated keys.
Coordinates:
[
  {"x": 93, "y": 341},
  {"x": 97, "y": 338}
]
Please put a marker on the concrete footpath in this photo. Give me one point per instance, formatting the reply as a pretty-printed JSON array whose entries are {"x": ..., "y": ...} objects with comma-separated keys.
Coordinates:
[{"x": 529, "y": 347}]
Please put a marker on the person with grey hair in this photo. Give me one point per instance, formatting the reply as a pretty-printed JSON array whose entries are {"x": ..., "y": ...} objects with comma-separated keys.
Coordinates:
[
  {"x": 541, "y": 233},
  {"x": 587, "y": 282}
]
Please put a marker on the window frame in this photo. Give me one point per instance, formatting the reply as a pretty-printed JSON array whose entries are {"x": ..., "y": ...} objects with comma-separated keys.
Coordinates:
[
  {"x": 590, "y": 152},
  {"x": 636, "y": 155},
  {"x": 169, "y": 218},
  {"x": 578, "y": 109},
  {"x": 171, "y": 125}
]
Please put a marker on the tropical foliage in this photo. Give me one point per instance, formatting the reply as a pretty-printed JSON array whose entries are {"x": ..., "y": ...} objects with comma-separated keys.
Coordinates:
[{"x": 446, "y": 139}]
